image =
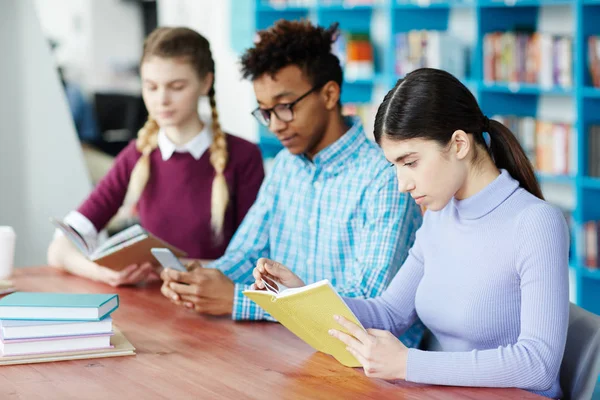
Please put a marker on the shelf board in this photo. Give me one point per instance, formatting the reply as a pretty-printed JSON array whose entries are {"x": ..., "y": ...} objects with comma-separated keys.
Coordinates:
[
  {"x": 523, "y": 3},
  {"x": 363, "y": 81},
  {"x": 588, "y": 272},
  {"x": 433, "y": 4},
  {"x": 347, "y": 7},
  {"x": 557, "y": 179},
  {"x": 591, "y": 182},
  {"x": 523, "y": 88},
  {"x": 262, "y": 7},
  {"x": 591, "y": 92}
]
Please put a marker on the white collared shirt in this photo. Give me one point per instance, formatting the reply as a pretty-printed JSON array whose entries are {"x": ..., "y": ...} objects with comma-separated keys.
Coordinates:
[{"x": 196, "y": 147}]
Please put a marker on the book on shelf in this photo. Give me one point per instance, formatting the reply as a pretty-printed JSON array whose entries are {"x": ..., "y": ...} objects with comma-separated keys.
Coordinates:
[
  {"x": 550, "y": 146},
  {"x": 430, "y": 49},
  {"x": 355, "y": 51},
  {"x": 130, "y": 246},
  {"x": 594, "y": 151},
  {"x": 594, "y": 59},
  {"x": 591, "y": 241},
  {"x": 365, "y": 112},
  {"x": 308, "y": 313},
  {"x": 533, "y": 58},
  {"x": 57, "y": 306}
]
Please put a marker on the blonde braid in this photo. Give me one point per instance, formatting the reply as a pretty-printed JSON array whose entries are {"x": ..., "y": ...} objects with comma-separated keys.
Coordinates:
[
  {"x": 218, "y": 159},
  {"x": 146, "y": 142}
]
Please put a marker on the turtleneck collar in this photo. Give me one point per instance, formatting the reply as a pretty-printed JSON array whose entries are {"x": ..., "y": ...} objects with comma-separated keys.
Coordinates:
[{"x": 486, "y": 200}]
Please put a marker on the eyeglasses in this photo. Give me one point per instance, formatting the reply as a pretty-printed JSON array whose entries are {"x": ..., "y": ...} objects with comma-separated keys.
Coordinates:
[{"x": 284, "y": 112}]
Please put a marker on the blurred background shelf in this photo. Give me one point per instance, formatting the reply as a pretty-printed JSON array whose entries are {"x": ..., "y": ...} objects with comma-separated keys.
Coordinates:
[{"x": 566, "y": 106}]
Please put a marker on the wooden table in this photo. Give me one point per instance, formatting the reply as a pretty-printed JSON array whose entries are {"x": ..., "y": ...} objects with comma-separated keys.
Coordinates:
[{"x": 181, "y": 355}]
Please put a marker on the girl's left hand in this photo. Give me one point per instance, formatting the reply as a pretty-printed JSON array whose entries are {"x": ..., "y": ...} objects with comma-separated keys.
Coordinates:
[{"x": 381, "y": 354}]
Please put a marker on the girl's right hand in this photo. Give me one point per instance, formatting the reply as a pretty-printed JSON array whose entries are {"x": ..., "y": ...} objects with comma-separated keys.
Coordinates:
[
  {"x": 130, "y": 275},
  {"x": 274, "y": 272}
]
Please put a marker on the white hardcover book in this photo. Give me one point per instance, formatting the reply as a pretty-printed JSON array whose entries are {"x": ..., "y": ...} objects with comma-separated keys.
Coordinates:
[{"x": 14, "y": 329}]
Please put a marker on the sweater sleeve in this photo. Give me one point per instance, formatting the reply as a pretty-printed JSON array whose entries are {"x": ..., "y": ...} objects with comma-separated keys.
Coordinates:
[
  {"x": 249, "y": 178},
  {"x": 107, "y": 197},
  {"x": 533, "y": 362}
]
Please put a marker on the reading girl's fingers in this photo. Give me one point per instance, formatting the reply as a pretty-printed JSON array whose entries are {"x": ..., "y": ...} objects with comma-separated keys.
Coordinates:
[
  {"x": 128, "y": 269},
  {"x": 137, "y": 276},
  {"x": 257, "y": 277},
  {"x": 351, "y": 327},
  {"x": 260, "y": 265},
  {"x": 348, "y": 340},
  {"x": 359, "y": 357},
  {"x": 147, "y": 266}
]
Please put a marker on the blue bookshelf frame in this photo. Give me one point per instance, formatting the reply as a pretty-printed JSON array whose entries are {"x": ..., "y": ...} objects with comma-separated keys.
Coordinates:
[{"x": 495, "y": 98}]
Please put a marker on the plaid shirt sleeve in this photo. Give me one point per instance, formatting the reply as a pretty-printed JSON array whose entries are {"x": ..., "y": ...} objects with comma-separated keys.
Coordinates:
[
  {"x": 386, "y": 237},
  {"x": 388, "y": 233},
  {"x": 250, "y": 242}
]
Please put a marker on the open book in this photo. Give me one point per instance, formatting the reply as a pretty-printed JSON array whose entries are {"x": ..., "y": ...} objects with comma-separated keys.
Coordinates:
[
  {"x": 308, "y": 313},
  {"x": 130, "y": 246}
]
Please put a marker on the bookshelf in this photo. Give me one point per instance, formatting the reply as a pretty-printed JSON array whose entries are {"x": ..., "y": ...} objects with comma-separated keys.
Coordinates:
[{"x": 495, "y": 98}]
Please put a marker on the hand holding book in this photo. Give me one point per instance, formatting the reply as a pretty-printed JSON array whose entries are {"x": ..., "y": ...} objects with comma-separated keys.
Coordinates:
[
  {"x": 269, "y": 273},
  {"x": 131, "y": 275}
]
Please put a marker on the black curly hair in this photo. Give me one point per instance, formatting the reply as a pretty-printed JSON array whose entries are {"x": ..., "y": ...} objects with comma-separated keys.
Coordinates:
[{"x": 294, "y": 43}]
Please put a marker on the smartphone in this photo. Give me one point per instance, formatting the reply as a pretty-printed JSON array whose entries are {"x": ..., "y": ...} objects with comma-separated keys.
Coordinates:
[{"x": 167, "y": 259}]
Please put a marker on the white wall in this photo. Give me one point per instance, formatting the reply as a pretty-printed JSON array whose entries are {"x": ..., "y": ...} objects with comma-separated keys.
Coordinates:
[
  {"x": 42, "y": 172},
  {"x": 235, "y": 97},
  {"x": 97, "y": 38}
]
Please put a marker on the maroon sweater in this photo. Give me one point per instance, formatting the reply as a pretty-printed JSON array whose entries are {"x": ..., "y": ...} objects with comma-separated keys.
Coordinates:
[{"x": 175, "y": 205}]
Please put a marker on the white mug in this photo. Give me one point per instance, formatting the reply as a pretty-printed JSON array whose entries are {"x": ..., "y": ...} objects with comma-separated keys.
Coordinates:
[{"x": 7, "y": 251}]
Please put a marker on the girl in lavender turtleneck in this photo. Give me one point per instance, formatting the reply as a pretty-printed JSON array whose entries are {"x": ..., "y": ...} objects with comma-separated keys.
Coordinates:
[{"x": 488, "y": 272}]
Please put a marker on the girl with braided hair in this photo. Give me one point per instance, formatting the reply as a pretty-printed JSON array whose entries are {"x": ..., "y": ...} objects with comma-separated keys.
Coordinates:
[{"x": 188, "y": 182}]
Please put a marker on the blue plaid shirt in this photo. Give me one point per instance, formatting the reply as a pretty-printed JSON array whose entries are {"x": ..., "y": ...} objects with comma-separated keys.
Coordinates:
[{"x": 338, "y": 217}]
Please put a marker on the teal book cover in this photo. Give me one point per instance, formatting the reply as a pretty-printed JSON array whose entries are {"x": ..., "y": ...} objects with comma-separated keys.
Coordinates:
[
  {"x": 57, "y": 306},
  {"x": 25, "y": 299}
]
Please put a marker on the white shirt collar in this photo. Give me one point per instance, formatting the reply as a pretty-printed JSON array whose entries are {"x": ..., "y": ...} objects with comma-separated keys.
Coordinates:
[{"x": 196, "y": 147}]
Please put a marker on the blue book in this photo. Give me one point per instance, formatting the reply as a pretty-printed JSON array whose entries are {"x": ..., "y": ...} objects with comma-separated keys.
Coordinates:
[{"x": 57, "y": 306}]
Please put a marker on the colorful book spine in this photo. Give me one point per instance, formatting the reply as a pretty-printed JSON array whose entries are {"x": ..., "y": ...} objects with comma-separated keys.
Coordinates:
[
  {"x": 516, "y": 57},
  {"x": 550, "y": 146}
]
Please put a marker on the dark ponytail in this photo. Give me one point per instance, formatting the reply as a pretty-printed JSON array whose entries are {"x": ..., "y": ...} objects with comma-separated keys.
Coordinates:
[
  {"x": 432, "y": 104},
  {"x": 508, "y": 154}
]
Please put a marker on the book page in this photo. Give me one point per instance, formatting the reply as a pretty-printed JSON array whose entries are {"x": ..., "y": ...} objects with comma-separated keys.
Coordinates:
[
  {"x": 119, "y": 238},
  {"x": 73, "y": 236}
]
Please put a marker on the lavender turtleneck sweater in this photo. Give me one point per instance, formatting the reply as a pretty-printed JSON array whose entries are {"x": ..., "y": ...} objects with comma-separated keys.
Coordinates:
[{"x": 488, "y": 276}]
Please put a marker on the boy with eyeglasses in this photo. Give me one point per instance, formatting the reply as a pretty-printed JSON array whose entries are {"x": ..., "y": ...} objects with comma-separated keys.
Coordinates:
[{"x": 330, "y": 209}]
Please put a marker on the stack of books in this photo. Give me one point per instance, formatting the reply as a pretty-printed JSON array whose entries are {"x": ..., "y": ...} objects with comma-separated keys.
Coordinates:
[{"x": 38, "y": 327}]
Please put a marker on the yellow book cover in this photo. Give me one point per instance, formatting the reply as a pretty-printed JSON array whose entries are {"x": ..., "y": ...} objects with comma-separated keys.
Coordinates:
[{"x": 308, "y": 313}]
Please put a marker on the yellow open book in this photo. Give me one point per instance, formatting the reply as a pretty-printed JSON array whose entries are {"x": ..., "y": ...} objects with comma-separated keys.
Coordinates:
[{"x": 308, "y": 312}]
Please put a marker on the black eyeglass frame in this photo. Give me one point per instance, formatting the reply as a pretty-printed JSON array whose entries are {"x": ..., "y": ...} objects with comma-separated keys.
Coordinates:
[{"x": 260, "y": 117}]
